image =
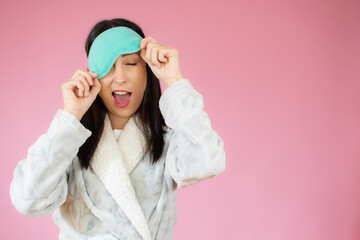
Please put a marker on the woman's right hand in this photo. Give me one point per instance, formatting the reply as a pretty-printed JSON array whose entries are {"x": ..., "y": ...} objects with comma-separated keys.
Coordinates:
[{"x": 76, "y": 94}]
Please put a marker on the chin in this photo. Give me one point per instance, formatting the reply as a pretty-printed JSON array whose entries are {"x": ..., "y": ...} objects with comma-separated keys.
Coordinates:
[{"x": 124, "y": 112}]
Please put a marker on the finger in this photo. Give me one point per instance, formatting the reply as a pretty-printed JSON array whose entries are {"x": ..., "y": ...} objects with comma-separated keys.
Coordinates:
[
  {"x": 76, "y": 74},
  {"x": 85, "y": 86},
  {"x": 94, "y": 75},
  {"x": 147, "y": 40},
  {"x": 143, "y": 43},
  {"x": 143, "y": 55},
  {"x": 151, "y": 53},
  {"x": 96, "y": 87},
  {"x": 155, "y": 56},
  {"x": 147, "y": 59},
  {"x": 88, "y": 77},
  {"x": 76, "y": 86},
  {"x": 171, "y": 53},
  {"x": 148, "y": 52},
  {"x": 162, "y": 55},
  {"x": 80, "y": 87}
]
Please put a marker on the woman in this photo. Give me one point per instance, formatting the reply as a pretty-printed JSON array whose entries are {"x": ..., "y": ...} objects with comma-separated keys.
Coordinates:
[{"x": 109, "y": 164}]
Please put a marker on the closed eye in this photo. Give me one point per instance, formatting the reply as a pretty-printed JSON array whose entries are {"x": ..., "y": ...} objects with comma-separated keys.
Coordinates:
[{"x": 132, "y": 64}]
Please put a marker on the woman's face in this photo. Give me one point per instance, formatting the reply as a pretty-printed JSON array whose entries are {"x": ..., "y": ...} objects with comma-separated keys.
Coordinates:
[{"x": 128, "y": 75}]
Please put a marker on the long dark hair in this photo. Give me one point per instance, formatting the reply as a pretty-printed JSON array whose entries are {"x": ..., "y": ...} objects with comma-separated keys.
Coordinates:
[{"x": 152, "y": 121}]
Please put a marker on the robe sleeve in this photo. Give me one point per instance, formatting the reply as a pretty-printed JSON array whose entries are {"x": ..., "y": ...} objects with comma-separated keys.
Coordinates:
[
  {"x": 39, "y": 183},
  {"x": 195, "y": 150}
]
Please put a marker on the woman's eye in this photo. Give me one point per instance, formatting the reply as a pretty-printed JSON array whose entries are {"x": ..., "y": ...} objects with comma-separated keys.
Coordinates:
[{"x": 132, "y": 64}]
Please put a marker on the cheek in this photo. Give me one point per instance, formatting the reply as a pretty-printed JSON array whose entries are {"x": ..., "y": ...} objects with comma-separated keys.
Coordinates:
[
  {"x": 144, "y": 82},
  {"x": 141, "y": 79},
  {"x": 103, "y": 98},
  {"x": 101, "y": 94},
  {"x": 103, "y": 91}
]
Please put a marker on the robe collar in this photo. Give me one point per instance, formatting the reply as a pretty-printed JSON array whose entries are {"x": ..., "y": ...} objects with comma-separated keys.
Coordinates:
[{"x": 114, "y": 160}]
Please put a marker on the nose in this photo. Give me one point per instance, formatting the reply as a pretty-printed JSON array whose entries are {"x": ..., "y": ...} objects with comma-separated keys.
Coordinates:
[
  {"x": 122, "y": 80},
  {"x": 120, "y": 77}
]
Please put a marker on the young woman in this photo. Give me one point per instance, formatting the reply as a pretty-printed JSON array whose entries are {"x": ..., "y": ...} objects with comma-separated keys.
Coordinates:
[{"x": 112, "y": 159}]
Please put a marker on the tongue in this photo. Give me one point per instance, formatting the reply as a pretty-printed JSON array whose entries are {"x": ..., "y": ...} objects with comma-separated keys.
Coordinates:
[{"x": 122, "y": 98}]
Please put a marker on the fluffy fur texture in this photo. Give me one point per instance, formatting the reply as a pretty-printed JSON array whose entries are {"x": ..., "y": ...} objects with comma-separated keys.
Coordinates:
[{"x": 113, "y": 161}]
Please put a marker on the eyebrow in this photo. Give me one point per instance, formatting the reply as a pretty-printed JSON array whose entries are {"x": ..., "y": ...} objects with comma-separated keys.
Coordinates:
[{"x": 137, "y": 53}]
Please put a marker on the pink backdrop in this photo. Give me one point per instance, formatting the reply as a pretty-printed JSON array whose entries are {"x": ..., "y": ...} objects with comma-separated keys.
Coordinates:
[{"x": 280, "y": 81}]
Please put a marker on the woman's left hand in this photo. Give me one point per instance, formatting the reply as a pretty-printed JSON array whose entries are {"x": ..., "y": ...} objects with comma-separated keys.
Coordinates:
[{"x": 162, "y": 60}]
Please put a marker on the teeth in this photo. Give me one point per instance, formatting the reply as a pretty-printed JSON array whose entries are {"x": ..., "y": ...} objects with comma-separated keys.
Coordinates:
[{"x": 120, "y": 93}]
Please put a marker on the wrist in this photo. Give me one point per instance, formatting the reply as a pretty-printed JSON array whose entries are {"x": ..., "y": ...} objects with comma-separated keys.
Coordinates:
[
  {"x": 76, "y": 114},
  {"x": 169, "y": 82}
]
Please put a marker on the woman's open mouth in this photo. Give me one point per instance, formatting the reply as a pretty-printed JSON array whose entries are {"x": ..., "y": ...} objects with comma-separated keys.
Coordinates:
[{"x": 121, "y": 98}]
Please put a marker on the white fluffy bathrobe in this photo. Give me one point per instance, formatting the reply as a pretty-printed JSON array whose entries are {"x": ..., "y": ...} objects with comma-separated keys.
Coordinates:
[{"x": 121, "y": 195}]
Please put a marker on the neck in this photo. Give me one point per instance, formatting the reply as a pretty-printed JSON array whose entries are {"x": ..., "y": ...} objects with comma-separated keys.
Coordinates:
[{"x": 117, "y": 122}]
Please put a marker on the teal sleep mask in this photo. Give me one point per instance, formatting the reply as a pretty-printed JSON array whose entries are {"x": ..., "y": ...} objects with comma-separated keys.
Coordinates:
[{"x": 109, "y": 45}]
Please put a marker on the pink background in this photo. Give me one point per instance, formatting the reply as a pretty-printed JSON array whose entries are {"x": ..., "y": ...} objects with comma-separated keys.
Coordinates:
[{"x": 280, "y": 81}]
